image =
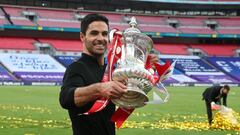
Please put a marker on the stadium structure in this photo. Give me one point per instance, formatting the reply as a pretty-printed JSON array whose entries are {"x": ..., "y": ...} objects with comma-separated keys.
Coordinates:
[{"x": 39, "y": 38}]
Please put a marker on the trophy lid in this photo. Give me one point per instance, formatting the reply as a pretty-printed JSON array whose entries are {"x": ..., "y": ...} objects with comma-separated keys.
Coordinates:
[
  {"x": 133, "y": 34},
  {"x": 133, "y": 27}
]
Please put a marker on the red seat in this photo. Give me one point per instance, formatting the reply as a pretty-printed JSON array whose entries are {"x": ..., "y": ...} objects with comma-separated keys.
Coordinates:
[
  {"x": 54, "y": 14},
  {"x": 229, "y": 30},
  {"x": 57, "y": 23},
  {"x": 197, "y": 30},
  {"x": 171, "y": 48},
  {"x": 64, "y": 45},
  {"x": 14, "y": 11},
  {"x": 217, "y": 50},
  {"x": 22, "y": 21},
  {"x": 16, "y": 43}
]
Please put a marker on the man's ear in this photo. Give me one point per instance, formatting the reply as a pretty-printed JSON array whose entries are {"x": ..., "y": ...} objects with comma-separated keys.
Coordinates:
[{"x": 81, "y": 36}]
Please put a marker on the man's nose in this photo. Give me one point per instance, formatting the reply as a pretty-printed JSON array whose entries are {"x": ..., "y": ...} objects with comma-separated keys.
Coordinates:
[{"x": 100, "y": 37}]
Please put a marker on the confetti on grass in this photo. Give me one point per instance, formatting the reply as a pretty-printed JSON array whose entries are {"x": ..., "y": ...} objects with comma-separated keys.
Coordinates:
[{"x": 167, "y": 121}]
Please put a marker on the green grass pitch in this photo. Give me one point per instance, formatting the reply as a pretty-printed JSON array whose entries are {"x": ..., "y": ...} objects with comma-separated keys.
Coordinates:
[{"x": 35, "y": 110}]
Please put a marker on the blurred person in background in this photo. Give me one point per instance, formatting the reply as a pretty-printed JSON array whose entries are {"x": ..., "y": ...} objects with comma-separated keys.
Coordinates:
[{"x": 212, "y": 97}]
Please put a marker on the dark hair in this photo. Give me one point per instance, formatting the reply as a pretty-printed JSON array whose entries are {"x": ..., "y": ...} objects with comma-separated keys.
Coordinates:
[
  {"x": 88, "y": 19},
  {"x": 226, "y": 87}
]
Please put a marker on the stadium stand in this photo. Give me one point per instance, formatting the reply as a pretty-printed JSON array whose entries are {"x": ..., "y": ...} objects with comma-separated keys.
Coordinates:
[
  {"x": 58, "y": 23},
  {"x": 228, "y": 30},
  {"x": 217, "y": 50},
  {"x": 54, "y": 14},
  {"x": 194, "y": 29},
  {"x": 189, "y": 69},
  {"x": 22, "y": 21},
  {"x": 228, "y": 22},
  {"x": 14, "y": 11},
  {"x": 189, "y": 21},
  {"x": 64, "y": 45},
  {"x": 16, "y": 43},
  {"x": 2, "y": 20},
  {"x": 180, "y": 49}
]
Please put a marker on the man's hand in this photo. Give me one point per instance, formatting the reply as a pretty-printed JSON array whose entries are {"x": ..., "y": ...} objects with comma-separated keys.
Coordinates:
[
  {"x": 112, "y": 89},
  {"x": 153, "y": 59}
]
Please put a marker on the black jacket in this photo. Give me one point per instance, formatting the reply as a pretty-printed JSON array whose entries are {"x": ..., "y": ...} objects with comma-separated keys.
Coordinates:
[
  {"x": 212, "y": 94},
  {"x": 84, "y": 72}
]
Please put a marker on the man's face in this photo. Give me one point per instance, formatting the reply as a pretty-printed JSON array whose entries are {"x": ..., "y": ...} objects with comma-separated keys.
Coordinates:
[
  {"x": 96, "y": 38},
  {"x": 225, "y": 91}
]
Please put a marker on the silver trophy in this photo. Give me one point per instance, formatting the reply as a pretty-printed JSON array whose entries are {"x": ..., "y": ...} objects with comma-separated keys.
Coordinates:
[{"x": 131, "y": 67}]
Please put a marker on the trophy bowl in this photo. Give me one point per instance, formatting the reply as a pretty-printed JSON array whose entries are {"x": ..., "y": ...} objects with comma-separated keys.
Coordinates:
[{"x": 131, "y": 68}]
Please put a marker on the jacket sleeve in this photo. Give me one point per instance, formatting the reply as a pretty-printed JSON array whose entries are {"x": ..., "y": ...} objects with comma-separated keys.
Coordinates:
[{"x": 71, "y": 81}]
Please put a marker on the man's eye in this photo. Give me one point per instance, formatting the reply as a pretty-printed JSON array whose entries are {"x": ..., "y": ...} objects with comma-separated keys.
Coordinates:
[
  {"x": 104, "y": 33},
  {"x": 94, "y": 33}
]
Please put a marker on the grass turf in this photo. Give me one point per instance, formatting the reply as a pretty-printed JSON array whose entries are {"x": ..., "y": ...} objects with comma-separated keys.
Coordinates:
[{"x": 35, "y": 110}]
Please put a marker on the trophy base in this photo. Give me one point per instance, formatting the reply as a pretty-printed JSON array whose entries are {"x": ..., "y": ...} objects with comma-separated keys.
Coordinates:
[{"x": 134, "y": 98}]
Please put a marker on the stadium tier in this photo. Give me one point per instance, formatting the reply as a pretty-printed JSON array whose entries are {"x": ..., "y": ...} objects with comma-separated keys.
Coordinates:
[
  {"x": 169, "y": 24},
  {"x": 37, "y": 67},
  {"x": 196, "y": 29},
  {"x": 17, "y": 43},
  {"x": 217, "y": 50},
  {"x": 14, "y": 11},
  {"x": 228, "y": 30},
  {"x": 2, "y": 20},
  {"x": 64, "y": 45},
  {"x": 171, "y": 48},
  {"x": 22, "y": 21},
  {"x": 199, "y": 69},
  {"x": 58, "y": 23},
  {"x": 189, "y": 21},
  {"x": 54, "y": 14}
]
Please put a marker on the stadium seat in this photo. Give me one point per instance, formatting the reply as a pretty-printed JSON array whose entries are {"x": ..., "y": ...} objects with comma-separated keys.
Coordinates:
[
  {"x": 58, "y": 23},
  {"x": 229, "y": 30},
  {"x": 171, "y": 48},
  {"x": 54, "y": 14},
  {"x": 228, "y": 22},
  {"x": 16, "y": 43},
  {"x": 22, "y": 21},
  {"x": 64, "y": 45},
  {"x": 14, "y": 11},
  {"x": 196, "y": 29},
  {"x": 217, "y": 50},
  {"x": 189, "y": 21},
  {"x": 3, "y": 21}
]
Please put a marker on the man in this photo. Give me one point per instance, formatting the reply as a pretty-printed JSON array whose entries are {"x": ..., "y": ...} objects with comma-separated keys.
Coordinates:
[
  {"x": 82, "y": 81},
  {"x": 213, "y": 95}
]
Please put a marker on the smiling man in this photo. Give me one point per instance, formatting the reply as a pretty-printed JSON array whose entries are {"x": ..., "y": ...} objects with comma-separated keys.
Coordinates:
[{"x": 82, "y": 84}]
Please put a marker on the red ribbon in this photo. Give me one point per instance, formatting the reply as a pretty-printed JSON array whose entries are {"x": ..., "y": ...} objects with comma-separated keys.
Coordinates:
[{"x": 121, "y": 115}]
